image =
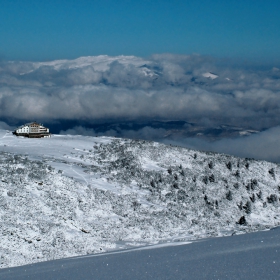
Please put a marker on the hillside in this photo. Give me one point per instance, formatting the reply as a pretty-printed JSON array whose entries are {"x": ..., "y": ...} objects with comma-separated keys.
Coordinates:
[{"x": 73, "y": 195}]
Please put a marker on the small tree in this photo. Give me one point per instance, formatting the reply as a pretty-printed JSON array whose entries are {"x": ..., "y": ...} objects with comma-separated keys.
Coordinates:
[
  {"x": 205, "y": 180},
  {"x": 272, "y": 198},
  {"x": 237, "y": 173},
  {"x": 153, "y": 184},
  {"x": 259, "y": 194},
  {"x": 248, "y": 186},
  {"x": 240, "y": 205},
  {"x": 272, "y": 172},
  {"x": 248, "y": 207},
  {"x": 182, "y": 172},
  {"x": 212, "y": 178},
  {"x": 253, "y": 198},
  {"x": 254, "y": 183},
  {"x": 229, "y": 165},
  {"x": 229, "y": 195},
  {"x": 242, "y": 221}
]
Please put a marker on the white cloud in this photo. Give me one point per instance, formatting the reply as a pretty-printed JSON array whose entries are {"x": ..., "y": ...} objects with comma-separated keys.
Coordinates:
[
  {"x": 112, "y": 88},
  {"x": 264, "y": 145}
]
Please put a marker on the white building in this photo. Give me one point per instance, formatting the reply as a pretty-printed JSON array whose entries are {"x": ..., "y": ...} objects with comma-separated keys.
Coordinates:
[{"x": 32, "y": 130}]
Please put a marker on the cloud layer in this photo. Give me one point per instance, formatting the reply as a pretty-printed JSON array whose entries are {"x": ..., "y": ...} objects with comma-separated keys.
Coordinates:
[
  {"x": 263, "y": 145},
  {"x": 98, "y": 89},
  {"x": 103, "y": 89}
]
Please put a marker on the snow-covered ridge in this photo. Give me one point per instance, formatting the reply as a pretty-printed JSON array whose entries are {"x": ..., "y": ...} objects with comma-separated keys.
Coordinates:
[
  {"x": 99, "y": 63},
  {"x": 210, "y": 75},
  {"x": 73, "y": 195}
]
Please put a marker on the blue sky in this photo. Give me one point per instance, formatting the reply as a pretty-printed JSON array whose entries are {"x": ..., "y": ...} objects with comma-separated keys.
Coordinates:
[{"x": 46, "y": 30}]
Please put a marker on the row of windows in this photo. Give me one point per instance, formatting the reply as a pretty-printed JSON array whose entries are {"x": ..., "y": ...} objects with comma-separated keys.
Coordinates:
[{"x": 32, "y": 129}]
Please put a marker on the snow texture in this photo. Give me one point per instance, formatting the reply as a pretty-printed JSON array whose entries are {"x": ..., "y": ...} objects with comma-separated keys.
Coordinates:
[
  {"x": 74, "y": 195},
  {"x": 253, "y": 256}
]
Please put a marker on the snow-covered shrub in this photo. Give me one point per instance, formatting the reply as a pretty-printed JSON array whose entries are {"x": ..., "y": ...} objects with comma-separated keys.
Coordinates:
[
  {"x": 229, "y": 195},
  {"x": 272, "y": 198},
  {"x": 229, "y": 165}
]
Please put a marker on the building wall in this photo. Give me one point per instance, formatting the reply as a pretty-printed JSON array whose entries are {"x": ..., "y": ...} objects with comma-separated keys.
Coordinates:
[
  {"x": 34, "y": 128},
  {"x": 24, "y": 129}
]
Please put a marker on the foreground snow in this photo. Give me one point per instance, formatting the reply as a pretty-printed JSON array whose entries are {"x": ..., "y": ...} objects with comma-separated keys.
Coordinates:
[
  {"x": 74, "y": 195},
  {"x": 250, "y": 256}
]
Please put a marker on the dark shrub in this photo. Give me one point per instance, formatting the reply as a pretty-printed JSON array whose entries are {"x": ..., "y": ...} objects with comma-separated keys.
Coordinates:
[
  {"x": 272, "y": 198},
  {"x": 248, "y": 186},
  {"x": 229, "y": 195},
  {"x": 237, "y": 173},
  {"x": 229, "y": 165},
  {"x": 240, "y": 205},
  {"x": 253, "y": 198},
  {"x": 242, "y": 221},
  {"x": 254, "y": 183},
  {"x": 153, "y": 184},
  {"x": 272, "y": 172},
  {"x": 248, "y": 207},
  {"x": 212, "y": 178},
  {"x": 205, "y": 180}
]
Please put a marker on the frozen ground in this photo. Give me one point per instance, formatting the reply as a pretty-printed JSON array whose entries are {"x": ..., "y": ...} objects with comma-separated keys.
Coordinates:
[
  {"x": 74, "y": 195},
  {"x": 251, "y": 256}
]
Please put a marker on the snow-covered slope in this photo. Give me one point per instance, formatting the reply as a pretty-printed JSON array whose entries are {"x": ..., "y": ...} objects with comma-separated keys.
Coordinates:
[
  {"x": 253, "y": 256},
  {"x": 72, "y": 195}
]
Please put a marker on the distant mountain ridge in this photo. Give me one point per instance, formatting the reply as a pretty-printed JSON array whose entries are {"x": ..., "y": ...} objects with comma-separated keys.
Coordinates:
[{"x": 102, "y": 63}]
